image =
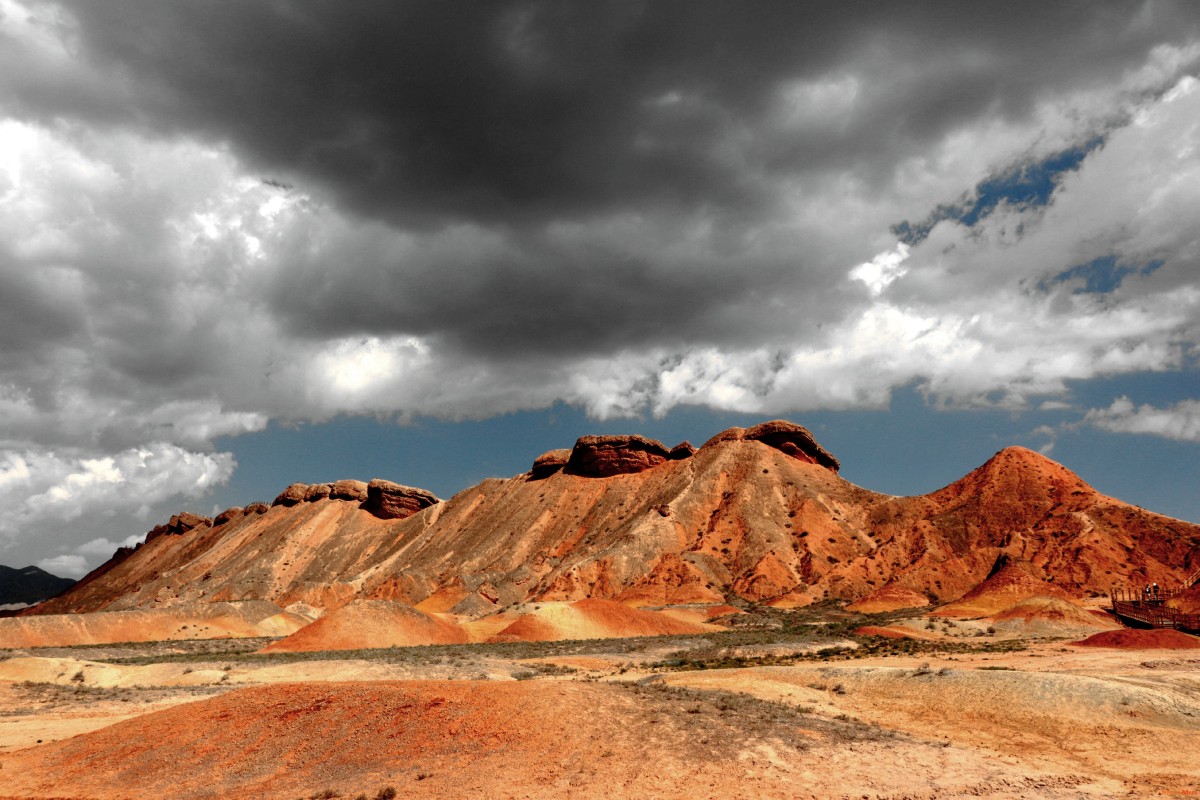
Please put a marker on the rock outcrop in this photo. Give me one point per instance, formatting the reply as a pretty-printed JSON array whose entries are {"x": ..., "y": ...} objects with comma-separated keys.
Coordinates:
[
  {"x": 292, "y": 495},
  {"x": 549, "y": 463},
  {"x": 350, "y": 490},
  {"x": 317, "y": 491},
  {"x": 388, "y": 500},
  {"x": 228, "y": 515},
  {"x": 787, "y": 437},
  {"x": 684, "y": 449},
  {"x": 605, "y": 456},
  {"x": 179, "y": 525}
]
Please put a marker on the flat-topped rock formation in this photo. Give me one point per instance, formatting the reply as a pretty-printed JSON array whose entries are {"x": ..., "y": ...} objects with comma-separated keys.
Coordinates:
[
  {"x": 388, "y": 500},
  {"x": 605, "y": 456}
]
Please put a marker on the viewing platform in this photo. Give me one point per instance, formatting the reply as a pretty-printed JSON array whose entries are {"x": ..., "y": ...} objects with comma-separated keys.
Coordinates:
[{"x": 1148, "y": 607}]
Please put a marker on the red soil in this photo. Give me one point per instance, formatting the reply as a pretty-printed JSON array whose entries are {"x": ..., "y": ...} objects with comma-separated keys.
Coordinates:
[
  {"x": 1132, "y": 639},
  {"x": 1053, "y": 610},
  {"x": 1013, "y": 582},
  {"x": 370, "y": 623},
  {"x": 432, "y": 739},
  {"x": 591, "y": 619},
  {"x": 888, "y": 598}
]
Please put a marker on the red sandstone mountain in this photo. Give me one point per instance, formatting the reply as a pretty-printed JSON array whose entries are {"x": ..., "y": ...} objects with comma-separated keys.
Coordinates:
[{"x": 758, "y": 514}]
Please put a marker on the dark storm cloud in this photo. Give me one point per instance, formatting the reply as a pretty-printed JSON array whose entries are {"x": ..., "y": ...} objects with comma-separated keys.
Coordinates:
[
  {"x": 502, "y": 295},
  {"x": 514, "y": 116},
  {"x": 520, "y": 111}
]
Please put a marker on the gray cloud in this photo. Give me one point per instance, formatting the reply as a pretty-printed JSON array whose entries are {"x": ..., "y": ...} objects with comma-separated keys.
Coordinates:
[
  {"x": 214, "y": 214},
  {"x": 515, "y": 112}
]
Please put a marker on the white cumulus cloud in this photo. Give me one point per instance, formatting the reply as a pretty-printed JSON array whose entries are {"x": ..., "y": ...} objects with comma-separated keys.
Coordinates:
[
  {"x": 1180, "y": 421},
  {"x": 44, "y": 493}
]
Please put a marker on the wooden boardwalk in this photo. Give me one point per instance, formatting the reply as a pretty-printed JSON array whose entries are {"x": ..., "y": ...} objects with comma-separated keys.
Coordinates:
[{"x": 1149, "y": 609}]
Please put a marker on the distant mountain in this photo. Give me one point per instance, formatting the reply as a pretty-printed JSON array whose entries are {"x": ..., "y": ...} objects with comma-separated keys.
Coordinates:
[
  {"x": 30, "y": 585},
  {"x": 757, "y": 515}
]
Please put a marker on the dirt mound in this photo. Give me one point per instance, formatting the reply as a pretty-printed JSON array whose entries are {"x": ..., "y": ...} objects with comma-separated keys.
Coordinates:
[
  {"x": 887, "y": 632},
  {"x": 1050, "y": 609},
  {"x": 192, "y": 621},
  {"x": 591, "y": 619},
  {"x": 1010, "y": 582},
  {"x": 1050, "y": 616},
  {"x": 1134, "y": 639},
  {"x": 368, "y": 624},
  {"x": 436, "y": 739},
  {"x": 722, "y": 610},
  {"x": 888, "y": 598}
]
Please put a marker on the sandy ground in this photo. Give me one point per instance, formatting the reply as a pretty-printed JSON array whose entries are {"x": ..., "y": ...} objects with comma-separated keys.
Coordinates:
[{"x": 1051, "y": 721}]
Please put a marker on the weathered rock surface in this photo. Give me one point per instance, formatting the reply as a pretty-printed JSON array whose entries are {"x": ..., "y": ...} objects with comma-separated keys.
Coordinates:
[
  {"x": 351, "y": 490},
  {"x": 787, "y": 437},
  {"x": 227, "y": 515},
  {"x": 605, "y": 456},
  {"x": 317, "y": 491},
  {"x": 388, "y": 500},
  {"x": 292, "y": 495},
  {"x": 683, "y": 450},
  {"x": 179, "y": 525},
  {"x": 549, "y": 463}
]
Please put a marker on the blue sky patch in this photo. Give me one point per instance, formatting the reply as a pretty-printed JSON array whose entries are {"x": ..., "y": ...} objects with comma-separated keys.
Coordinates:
[
  {"x": 1098, "y": 276},
  {"x": 1026, "y": 184}
]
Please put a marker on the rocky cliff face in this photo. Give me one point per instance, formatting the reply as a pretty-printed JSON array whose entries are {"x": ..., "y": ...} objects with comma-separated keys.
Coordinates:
[{"x": 758, "y": 514}]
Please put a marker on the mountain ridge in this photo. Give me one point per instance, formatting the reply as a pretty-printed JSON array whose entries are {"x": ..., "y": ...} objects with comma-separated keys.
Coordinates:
[
  {"x": 30, "y": 585},
  {"x": 756, "y": 515}
]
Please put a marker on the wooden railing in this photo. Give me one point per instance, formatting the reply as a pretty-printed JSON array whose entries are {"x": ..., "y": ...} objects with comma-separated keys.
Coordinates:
[
  {"x": 1191, "y": 581},
  {"x": 1156, "y": 616}
]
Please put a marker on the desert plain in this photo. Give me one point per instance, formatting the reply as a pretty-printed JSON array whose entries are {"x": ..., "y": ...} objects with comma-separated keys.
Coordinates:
[{"x": 781, "y": 704}]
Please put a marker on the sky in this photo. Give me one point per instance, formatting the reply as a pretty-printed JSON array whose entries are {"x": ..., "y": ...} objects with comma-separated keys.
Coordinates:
[{"x": 246, "y": 243}]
